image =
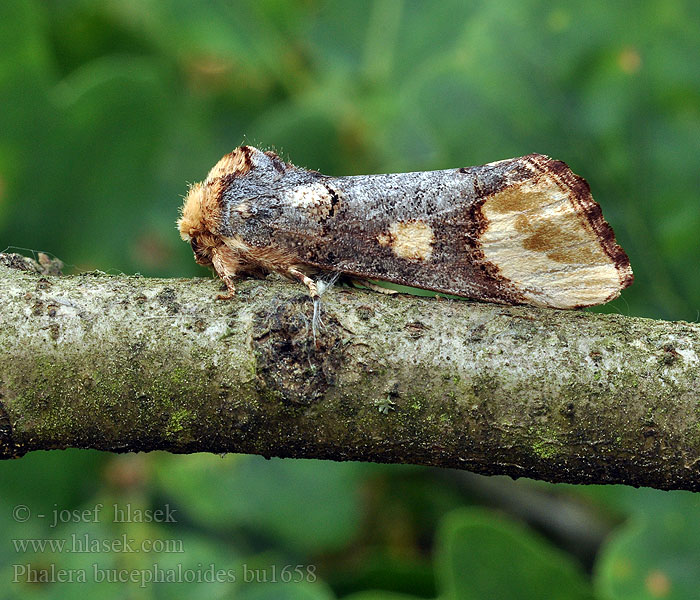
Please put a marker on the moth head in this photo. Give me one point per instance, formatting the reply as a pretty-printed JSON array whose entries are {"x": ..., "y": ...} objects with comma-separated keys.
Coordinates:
[
  {"x": 202, "y": 249},
  {"x": 201, "y": 213}
]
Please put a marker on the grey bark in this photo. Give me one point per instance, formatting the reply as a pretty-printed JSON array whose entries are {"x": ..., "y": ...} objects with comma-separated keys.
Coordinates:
[{"x": 125, "y": 363}]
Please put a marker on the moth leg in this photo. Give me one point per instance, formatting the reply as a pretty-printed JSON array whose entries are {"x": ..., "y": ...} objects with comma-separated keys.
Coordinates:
[
  {"x": 225, "y": 264},
  {"x": 315, "y": 296},
  {"x": 230, "y": 289},
  {"x": 306, "y": 280},
  {"x": 373, "y": 286}
]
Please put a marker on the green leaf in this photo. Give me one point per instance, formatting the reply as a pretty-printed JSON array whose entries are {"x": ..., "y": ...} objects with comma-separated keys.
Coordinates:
[
  {"x": 47, "y": 480},
  {"x": 656, "y": 553},
  {"x": 307, "y": 505},
  {"x": 385, "y": 572},
  {"x": 379, "y": 595},
  {"x": 286, "y": 591},
  {"x": 481, "y": 556}
]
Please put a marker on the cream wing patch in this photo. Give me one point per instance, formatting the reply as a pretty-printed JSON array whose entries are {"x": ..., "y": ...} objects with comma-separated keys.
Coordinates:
[
  {"x": 540, "y": 241},
  {"x": 412, "y": 239},
  {"x": 315, "y": 199},
  {"x": 305, "y": 196}
]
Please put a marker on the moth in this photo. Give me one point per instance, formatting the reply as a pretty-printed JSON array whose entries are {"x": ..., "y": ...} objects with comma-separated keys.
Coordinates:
[{"x": 518, "y": 231}]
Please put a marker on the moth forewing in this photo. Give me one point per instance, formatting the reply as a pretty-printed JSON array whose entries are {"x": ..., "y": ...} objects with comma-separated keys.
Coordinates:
[{"x": 519, "y": 231}]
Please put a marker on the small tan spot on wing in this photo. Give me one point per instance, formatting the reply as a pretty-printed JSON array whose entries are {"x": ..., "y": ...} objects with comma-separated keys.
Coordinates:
[
  {"x": 587, "y": 255},
  {"x": 512, "y": 199},
  {"x": 561, "y": 238},
  {"x": 412, "y": 240}
]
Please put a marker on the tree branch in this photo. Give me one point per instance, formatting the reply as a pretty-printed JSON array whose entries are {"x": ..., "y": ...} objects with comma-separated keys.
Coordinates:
[{"x": 124, "y": 363}]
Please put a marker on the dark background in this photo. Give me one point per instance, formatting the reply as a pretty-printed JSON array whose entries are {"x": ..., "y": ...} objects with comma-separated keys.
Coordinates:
[{"x": 109, "y": 108}]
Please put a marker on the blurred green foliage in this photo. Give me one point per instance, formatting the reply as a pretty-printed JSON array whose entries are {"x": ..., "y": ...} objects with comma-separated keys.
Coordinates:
[{"x": 108, "y": 108}]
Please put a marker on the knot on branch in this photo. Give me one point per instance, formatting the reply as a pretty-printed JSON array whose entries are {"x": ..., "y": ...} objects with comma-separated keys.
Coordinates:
[{"x": 289, "y": 364}]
